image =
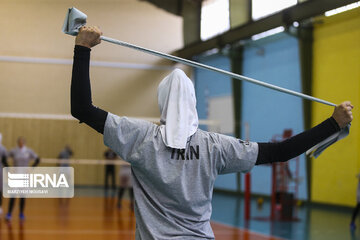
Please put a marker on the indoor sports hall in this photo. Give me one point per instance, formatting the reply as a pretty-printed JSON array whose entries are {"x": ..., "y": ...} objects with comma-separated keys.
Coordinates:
[{"x": 180, "y": 119}]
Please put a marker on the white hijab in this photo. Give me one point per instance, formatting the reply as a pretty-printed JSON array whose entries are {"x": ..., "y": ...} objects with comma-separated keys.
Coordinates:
[{"x": 177, "y": 103}]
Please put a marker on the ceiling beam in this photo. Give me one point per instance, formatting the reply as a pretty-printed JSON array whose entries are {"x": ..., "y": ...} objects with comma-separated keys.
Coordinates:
[
  {"x": 299, "y": 12},
  {"x": 172, "y": 6}
]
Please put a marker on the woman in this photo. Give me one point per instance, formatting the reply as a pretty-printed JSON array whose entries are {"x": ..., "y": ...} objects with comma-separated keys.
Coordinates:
[{"x": 174, "y": 165}]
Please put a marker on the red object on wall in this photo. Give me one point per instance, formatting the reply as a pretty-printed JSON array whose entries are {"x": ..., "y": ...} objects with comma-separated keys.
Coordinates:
[{"x": 247, "y": 195}]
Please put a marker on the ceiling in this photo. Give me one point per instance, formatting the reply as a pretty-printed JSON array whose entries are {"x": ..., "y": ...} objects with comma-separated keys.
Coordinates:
[{"x": 172, "y": 6}]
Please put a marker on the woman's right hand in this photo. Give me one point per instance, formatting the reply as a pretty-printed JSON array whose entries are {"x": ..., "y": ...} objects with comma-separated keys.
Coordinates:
[{"x": 88, "y": 37}]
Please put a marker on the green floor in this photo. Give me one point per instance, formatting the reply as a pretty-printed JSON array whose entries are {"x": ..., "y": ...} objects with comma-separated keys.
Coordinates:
[{"x": 315, "y": 222}]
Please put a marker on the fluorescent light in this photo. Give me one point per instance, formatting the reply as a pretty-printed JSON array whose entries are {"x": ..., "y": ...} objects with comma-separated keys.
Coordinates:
[
  {"x": 267, "y": 33},
  {"x": 342, "y": 9}
]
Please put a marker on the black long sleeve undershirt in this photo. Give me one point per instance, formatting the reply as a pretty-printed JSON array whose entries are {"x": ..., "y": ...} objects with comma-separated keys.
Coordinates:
[
  {"x": 82, "y": 109},
  {"x": 81, "y": 103},
  {"x": 294, "y": 146}
]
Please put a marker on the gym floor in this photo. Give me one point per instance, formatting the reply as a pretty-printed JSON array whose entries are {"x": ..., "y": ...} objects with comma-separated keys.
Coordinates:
[
  {"x": 91, "y": 216},
  {"x": 314, "y": 222}
]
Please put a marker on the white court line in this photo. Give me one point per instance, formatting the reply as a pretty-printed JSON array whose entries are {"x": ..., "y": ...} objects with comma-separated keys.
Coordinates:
[
  {"x": 247, "y": 230},
  {"x": 62, "y": 61}
]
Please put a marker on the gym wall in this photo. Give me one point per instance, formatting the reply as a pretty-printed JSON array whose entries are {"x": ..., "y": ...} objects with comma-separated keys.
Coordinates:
[
  {"x": 32, "y": 30},
  {"x": 210, "y": 86},
  {"x": 336, "y": 74},
  {"x": 274, "y": 60}
]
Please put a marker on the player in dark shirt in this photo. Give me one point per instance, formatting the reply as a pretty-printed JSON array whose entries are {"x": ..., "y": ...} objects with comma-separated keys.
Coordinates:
[{"x": 110, "y": 170}]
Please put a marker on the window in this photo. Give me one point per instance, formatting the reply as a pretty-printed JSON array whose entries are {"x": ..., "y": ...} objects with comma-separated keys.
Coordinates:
[
  {"x": 215, "y": 18},
  {"x": 263, "y": 8}
]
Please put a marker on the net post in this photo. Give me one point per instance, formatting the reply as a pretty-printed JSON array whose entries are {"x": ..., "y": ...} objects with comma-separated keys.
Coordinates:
[
  {"x": 247, "y": 195},
  {"x": 273, "y": 191},
  {"x": 247, "y": 179}
]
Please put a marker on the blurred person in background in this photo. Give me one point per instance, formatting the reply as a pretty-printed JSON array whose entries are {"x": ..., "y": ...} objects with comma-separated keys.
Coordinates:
[
  {"x": 3, "y": 156},
  {"x": 110, "y": 170},
  {"x": 125, "y": 183},
  {"x": 357, "y": 207},
  {"x": 21, "y": 155}
]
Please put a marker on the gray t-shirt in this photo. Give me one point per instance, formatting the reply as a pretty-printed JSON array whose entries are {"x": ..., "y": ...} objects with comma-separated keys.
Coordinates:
[
  {"x": 22, "y": 156},
  {"x": 173, "y": 187}
]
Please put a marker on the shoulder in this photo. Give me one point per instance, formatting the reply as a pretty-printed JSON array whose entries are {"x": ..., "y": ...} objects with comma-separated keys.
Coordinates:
[
  {"x": 125, "y": 130},
  {"x": 113, "y": 120},
  {"x": 212, "y": 140},
  {"x": 216, "y": 138}
]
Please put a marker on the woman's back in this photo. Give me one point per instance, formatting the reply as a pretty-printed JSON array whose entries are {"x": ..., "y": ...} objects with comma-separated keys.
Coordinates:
[{"x": 173, "y": 187}]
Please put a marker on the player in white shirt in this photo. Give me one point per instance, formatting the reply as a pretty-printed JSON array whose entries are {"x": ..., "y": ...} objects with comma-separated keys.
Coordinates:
[{"x": 21, "y": 155}]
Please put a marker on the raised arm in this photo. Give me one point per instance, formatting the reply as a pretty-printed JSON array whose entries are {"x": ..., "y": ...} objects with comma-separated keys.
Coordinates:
[
  {"x": 294, "y": 146},
  {"x": 81, "y": 103}
]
